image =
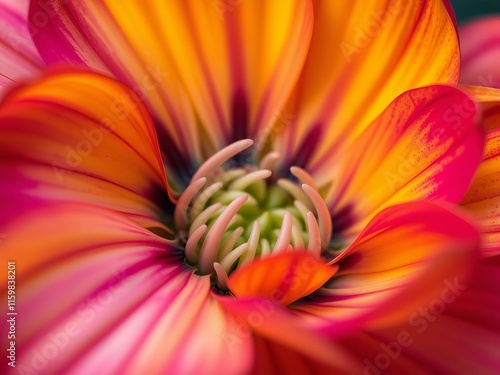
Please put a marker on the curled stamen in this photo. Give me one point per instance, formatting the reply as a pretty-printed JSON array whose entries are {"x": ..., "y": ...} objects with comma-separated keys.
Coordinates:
[
  {"x": 229, "y": 242},
  {"x": 203, "y": 217},
  {"x": 215, "y": 161},
  {"x": 180, "y": 214},
  {"x": 203, "y": 198},
  {"x": 192, "y": 242},
  {"x": 285, "y": 233},
  {"x": 325, "y": 223},
  {"x": 314, "y": 246},
  {"x": 269, "y": 161},
  {"x": 265, "y": 248},
  {"x": 303, "y": 176},
  {"x": 253, "y": 242},
  {"x": 297, "y": 237},
  {"x": 243, "y": 182},
  {"x": 210, "y": 247},
  {"x": 221, "y": 276},
  {"x": 230, "y": 258},
  {"x": 296, "y": 192}
]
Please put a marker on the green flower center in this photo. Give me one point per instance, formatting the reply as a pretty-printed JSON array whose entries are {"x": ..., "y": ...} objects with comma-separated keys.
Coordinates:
[{"x": 227, "y": 218}]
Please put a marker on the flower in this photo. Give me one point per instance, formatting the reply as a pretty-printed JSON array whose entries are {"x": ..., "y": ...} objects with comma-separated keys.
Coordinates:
[{"x": 238, "y": 113}]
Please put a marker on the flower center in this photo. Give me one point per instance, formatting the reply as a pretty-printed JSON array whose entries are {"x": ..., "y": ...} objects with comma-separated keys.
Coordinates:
[{"x": 227, "y": 217}]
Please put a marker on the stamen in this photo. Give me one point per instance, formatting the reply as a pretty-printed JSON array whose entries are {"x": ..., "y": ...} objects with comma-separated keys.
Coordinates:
[
  {"x": 302, "y": 208},
  {"x": 221, "y": 276},
  {"x": 192, "y": 242},
  {"x": 230, "y": 258},
  {"x": 325, "y": 223},
  {"x": 269, "y": 161},
  {"x": 215, "y": 161},
  {"x": 297, "y": 237},
  {"x": 180, "y": 214},
  {"x": 295, "y": 191},
  {"x": 203, "y": 198},
  {"x": 229, "y": 242},
  {"x": 303, "y": 176},
  {"x": 314, "y": 246},
  {"x": 210, "y": 247},
  {"x": 285, "y": 233},
  {"x": 265, "y": 248},
  {"x": 243, "y": 182},
  {"x": 242, "y": 214},
  {"x": 253, "y": 242},
  {"x": 204, "y": 216}
]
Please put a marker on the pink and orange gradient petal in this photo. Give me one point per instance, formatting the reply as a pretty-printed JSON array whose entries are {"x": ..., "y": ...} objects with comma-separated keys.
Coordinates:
[
  {"x": 227, "y": 66},
  {"x": 274, "y": 322},
  {"x": 285, "y": 277},
  {"x": 483, "y": 197},
  {"x": 363, "y": 55},
  {"x": 480, "y": 50},
  {"x": 104, "y": 295},
  {"x": 431, "y": 151},
  {"x": 454, "y": 334},
  {"x": 19, "y": 56},
  {"x": 397, "y": 263},
  {"x": 79, "y": 136}
]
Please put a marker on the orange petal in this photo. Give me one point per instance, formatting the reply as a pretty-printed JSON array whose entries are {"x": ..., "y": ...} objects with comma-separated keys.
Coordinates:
[
  {"x": 81, "y": 137},
  {"x": 284, "y": 278},
  {"x": 426, "y": 145},
  {"x": 483, "y": 198},
  {"x": 225, "y": 65},
  {"x": 363, "y": 55},
  {"x": 402, "y": 260}
]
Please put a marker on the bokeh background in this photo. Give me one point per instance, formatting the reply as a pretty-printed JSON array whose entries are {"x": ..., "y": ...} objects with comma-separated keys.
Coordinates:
[{"x": 468, "y": 9}]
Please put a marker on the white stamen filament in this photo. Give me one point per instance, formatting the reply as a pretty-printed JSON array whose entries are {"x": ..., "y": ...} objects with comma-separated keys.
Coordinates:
[
  {"x": 210, "y": 247},
  {"x": 229, "y": 242},
  {"x": 270, "y": 161},
  {"x": 314, "y": 246},
  {"x": 303, "y": 176},
  {"x": 204, "y": 216},
  {"x": 191, "y": 243},
  {"x": 245, "y": 181},
  {"x": 180, "y": 219},
  {"x": 253, "y": 242},
  {"x": 201, "y": 200},
  {"x": 215, "y": 161},
  {"x": 285, "y": 233},
  {"x": 296, "y": 192},
  {"x": 325, "y": 223},
  {"x": 221, "y": 276},
  {"x": 240, "y": 216},
  {"x": 230, "y": 258}
]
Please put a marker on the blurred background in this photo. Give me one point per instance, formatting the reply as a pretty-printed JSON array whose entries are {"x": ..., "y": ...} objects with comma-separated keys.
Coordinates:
[{"x": 468, "y": 9}]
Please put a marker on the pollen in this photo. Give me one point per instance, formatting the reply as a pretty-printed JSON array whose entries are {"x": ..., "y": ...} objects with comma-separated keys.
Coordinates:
[{"x": 227, "y": 217}]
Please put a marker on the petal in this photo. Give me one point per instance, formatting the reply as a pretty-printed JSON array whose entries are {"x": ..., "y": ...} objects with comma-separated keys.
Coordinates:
[
  {"x": 273, "y": 322},
  {"x": 78, "y": 136},
  {"x": 362, "y": 56},
  {"x": 483, "y": 198},
  {"x": 480, "y": 50},
  {"x": 456, "y": 333},
  {"x": 227, "y": 66},
  {"x": 285, "y": 277},
  {"x": 396, "y": 264},
  {"x": 106, "y": 296},
  {"x": 272, "y": 358},
  {"x": 425, "y": 145},
  {"x": 18, "y": 55}
]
